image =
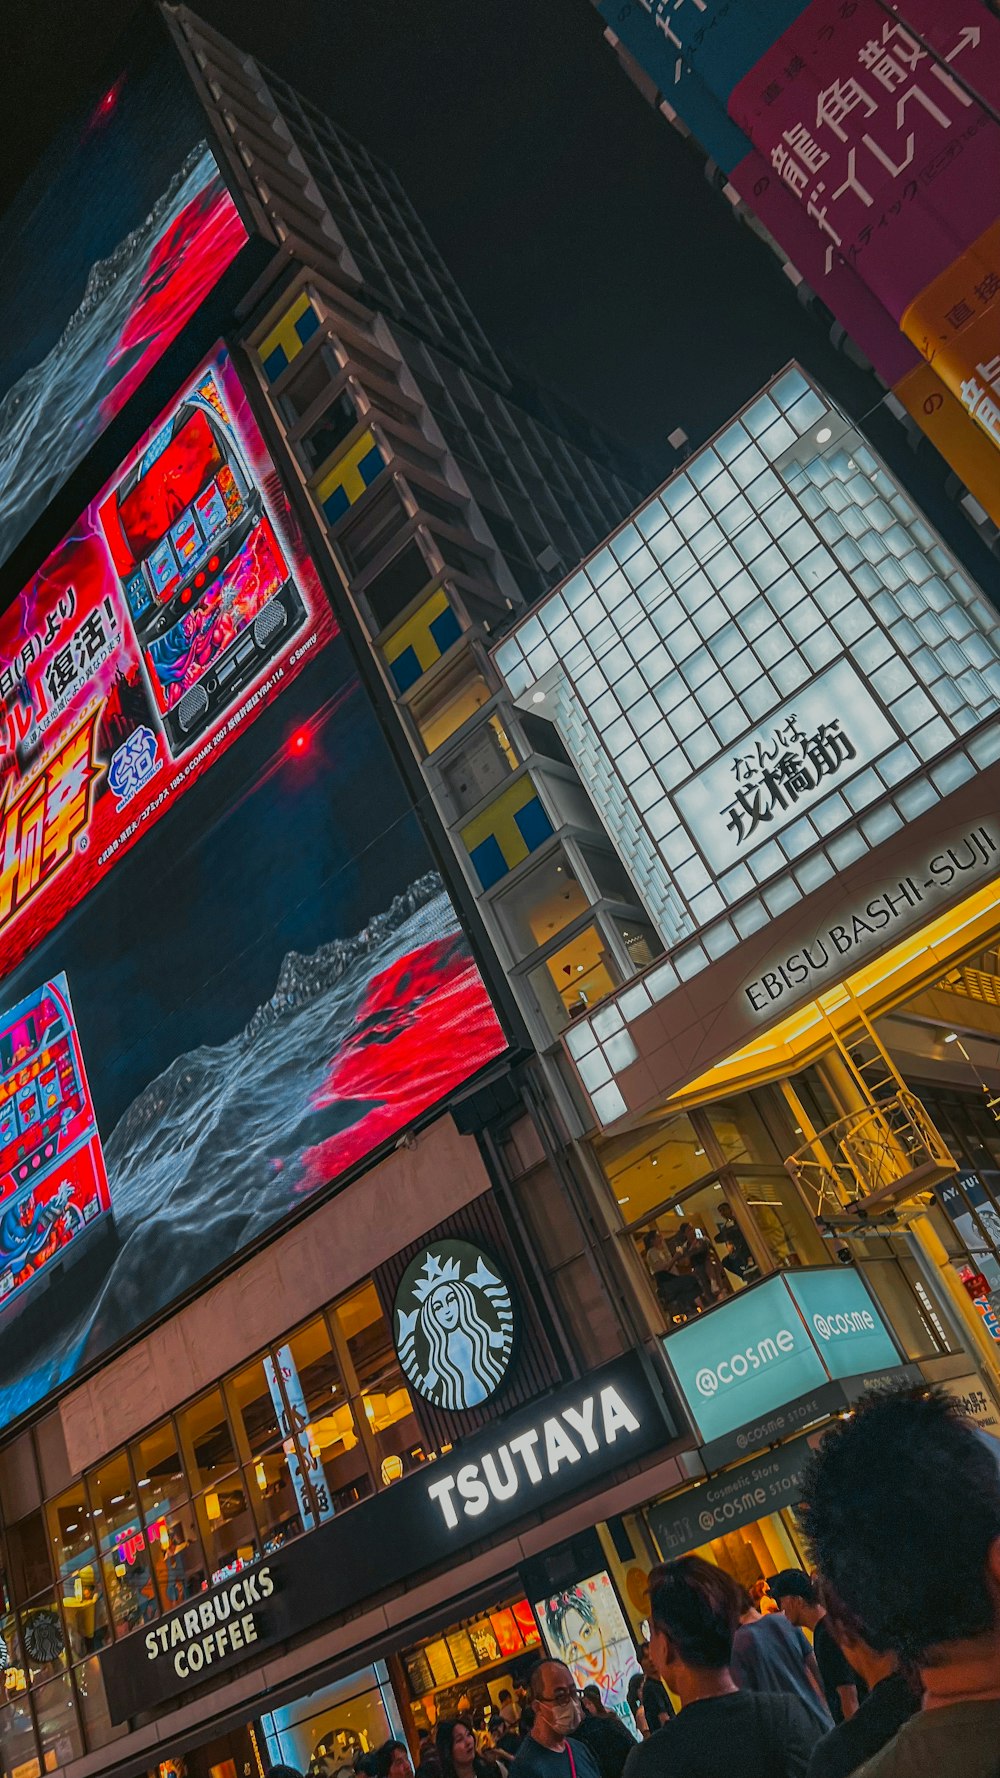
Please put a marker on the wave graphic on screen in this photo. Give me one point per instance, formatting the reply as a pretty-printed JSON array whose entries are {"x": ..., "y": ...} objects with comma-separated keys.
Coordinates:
[
  {"x": 356, "y": 1040},
  {"x": 135, "y": 303}
]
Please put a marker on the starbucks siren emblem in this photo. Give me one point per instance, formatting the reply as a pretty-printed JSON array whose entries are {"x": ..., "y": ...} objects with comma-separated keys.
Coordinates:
[{"x": 454, "y": 1322}]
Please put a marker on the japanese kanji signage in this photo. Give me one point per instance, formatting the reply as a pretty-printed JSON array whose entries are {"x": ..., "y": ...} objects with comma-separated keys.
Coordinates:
[
  {"x": 131, "y": 658},
  {"x": 818, "y": 743},
  {"x": 880, "y": 140}
]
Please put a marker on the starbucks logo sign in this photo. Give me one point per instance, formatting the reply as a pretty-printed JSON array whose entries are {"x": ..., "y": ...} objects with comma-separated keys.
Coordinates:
[{"x": 454, "y": 1324}]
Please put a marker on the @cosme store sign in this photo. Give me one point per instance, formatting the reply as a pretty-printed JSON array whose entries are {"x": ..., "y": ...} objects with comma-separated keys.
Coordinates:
[
  {"x": 782, "y": 1340},
  {"x": 565, "y": 1442}
]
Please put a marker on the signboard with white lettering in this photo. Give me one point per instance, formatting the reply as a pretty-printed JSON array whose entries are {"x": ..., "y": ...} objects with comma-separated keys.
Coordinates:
[
  {"x": 784, "y": 1347},
  {"x": 739, "y": 1497},
  {"x": 562, "y": 1443}
]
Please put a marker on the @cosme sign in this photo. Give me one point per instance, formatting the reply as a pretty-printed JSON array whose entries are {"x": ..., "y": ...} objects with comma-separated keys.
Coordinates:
[
  {"x": 776, "y": 1342},
  {"x": 454, "y": 1324}
]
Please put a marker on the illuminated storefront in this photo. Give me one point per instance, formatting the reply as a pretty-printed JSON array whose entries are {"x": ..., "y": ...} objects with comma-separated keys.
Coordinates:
[{"x": 786, "y": 697}]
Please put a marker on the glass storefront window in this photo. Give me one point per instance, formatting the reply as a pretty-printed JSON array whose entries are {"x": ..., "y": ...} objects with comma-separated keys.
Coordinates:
[
  {"x": 227, "y": 1527},
  {"x": 640, "y": 941},
  {"x": 576, "y": 977},
  {"x": 18, "y": 1747},
  {"x": 741, "y": 1132},
  {"x": 540, "y": 904},
  {"x": 85, "y": 1613},
  {"x": 121, "y": 1539},
  {"x": 59, "y": 1735},
  {"x": 255, "y": 1413},
  {"x": 782, "y": 1220},
  {"x": 159, "y": 1474},
  {"x": 328, "y": 1438},
  {"x": 43, "y": 1639},
  {"x": 282, "y": 1509},
  {"x": 647, "y": 1167},
  {"x": 27, "y": 1548},
  {"x": 206, "y": 1441},
  {"x": 325, "y": 1730},
  {"x": 177, "y": 1557},
  {"x": 93, "y": 1705},
  {"x": 385, "y": 1399},
  {"x": 688, "y": 1254}
]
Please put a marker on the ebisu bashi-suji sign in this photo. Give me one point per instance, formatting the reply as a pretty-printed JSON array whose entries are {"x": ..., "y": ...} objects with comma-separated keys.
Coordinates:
[
  {"x": 520, "y": 1465},
  {"x": 454, "y": 1324},
  {"x": 777, "y": 1357}
]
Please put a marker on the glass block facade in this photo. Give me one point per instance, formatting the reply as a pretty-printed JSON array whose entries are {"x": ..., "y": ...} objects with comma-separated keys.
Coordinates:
[{"x": 709, "y": 649}]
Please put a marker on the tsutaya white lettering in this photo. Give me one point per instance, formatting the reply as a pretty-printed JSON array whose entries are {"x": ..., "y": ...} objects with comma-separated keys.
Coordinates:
[
  {"x": 213, "y": 1628},
  {"x": 560, "y": 1440}
]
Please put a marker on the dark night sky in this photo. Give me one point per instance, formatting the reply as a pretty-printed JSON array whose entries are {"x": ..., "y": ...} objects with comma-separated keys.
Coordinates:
[{"x": 581, "y": 228}]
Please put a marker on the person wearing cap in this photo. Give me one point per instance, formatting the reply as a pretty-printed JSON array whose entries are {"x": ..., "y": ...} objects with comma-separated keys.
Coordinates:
[{"x": 798, "y": 1597}]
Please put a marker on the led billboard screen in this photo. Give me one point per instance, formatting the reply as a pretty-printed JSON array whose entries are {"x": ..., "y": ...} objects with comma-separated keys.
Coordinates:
[
  {"x": 229, "y": 971},
  {"x": 121, "y": 232}
]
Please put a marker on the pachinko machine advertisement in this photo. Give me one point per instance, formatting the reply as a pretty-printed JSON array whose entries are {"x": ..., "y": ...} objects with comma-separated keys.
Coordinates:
[
  {"x": 53, "y": 1184},
  {"x": 200, "y": 895}
]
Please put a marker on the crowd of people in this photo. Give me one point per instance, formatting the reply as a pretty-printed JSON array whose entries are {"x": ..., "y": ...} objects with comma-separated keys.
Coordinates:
[{"x": 901, "y": 1677}]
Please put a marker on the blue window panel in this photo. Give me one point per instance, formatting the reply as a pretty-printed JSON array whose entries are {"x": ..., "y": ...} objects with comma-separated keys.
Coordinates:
[
  {"x": 446, "y": 630},
  {"x": 371, "y": 465},
  {"x": 275, "y": 363},
  {"x": 406, "y": 669},
  {"x": 335, "y": 505},
  {"x": 489, "y": 862},
  {"x": 533, "y": 824}
]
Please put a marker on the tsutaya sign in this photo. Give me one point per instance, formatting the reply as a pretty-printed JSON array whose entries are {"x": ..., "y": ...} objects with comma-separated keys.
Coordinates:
[
  {"x": 566, "y": 1442},
  {"x": 601, "y": 1421},
  {"x": 779, "y": 1343}
]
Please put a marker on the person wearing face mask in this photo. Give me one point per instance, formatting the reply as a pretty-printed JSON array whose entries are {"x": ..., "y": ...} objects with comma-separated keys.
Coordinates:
[{"x": 550, "y": 1751}]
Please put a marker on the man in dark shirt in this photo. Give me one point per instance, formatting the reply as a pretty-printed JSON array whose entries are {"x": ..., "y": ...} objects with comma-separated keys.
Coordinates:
[
  {"x": 798, "y": 1598},
  {"x": 892, "y": 1698},
  {"x": 655, "y": 1703},
  {"x": 604, "y": 1733},
  {"x": 769, "y": 1655},
  {"x": 549, "y": 1752},
  {"x": 719, "y": 1730}
]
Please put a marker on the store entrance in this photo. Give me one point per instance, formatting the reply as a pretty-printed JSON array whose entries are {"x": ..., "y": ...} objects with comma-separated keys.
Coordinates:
[{"x": 462, "y": 1670}]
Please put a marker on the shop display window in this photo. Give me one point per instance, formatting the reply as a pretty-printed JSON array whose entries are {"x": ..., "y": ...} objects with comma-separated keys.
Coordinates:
[
  {"x": 59, "y": 1735},
  {"x": 227, "y": 1526},
  {"x": 385, "y": 1400},
  {"x": 741, "y": 1133},
  {"x": 93, "y": 1705},
  {"x": 329, "y": 1440},
  {"x": 28, "y": 1555},
  {"x": 648, "y": 1166},
  {"x": 78, "y": 1575},
  {"x": 327, "y": 1729},
  {"x": 255, "y": 1405},
  {"x": 575, "y": 978},
  {"x": 782, "y": 1220},
  {"x": 695, "y": 1253},
  {"x": 17, "y": 1735},
  {"x": 159, "y": 1473},
  {"x": 126, "y": 1568},
  {"x": 279, "y": 1495},
  {"x": 206, "y": 1441},
  {"x": 176, "y": 1555},
  {"x": 43, "y": 1640}
]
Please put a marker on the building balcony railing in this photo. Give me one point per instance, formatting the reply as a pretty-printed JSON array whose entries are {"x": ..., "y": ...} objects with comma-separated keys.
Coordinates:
[{"x": 883, "y": 1153}]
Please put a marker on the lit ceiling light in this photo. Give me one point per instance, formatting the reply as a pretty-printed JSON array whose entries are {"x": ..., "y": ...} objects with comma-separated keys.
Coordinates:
[
  {"x": 70, "y": 1528},
  {"x": 699, "y": 1151},
  {"x": 623, "y": 1200},
  {"x": 952, "y": 1037},
  {"x": 538, "y": 697},
  {"x": 798, "y": 1129},
  {"x": 116, "y": 1499},
  {"x": 824, "y": 435}
]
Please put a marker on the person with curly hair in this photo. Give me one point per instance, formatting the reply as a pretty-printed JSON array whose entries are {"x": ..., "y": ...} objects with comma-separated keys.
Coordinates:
[{"x": 901, "y": 1505}]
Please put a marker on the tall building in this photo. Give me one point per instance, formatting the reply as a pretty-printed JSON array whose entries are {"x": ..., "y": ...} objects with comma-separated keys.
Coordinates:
[
  {"x": 375, "y": 943},
  {"x": 863, "y": 147}
]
